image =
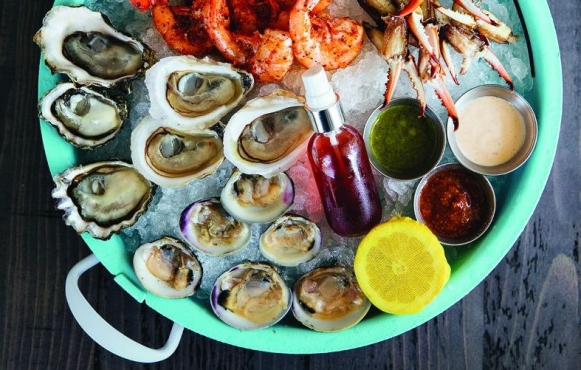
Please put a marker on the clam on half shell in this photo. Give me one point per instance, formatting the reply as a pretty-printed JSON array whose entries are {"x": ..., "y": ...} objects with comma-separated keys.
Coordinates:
[
  {"x": 257, "y": 199},
  {"x": 172, "y": 158},
  {"x": 250, "y": 296},
  {"x": 82, "y": 116},
  {"x": 82, "y": 44},
  {"x": 208, "y": 228},
  {"x": 329, "y": 299},
  {"x": 193, "y": 94},
  {"x": 102, "y": 198},
  {"x": 268, "y": 134},
  {"x": 167, "y": 268}
]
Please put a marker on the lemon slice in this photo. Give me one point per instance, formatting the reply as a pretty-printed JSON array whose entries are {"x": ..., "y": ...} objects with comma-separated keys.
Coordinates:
[{"x": 400, "y": 266}]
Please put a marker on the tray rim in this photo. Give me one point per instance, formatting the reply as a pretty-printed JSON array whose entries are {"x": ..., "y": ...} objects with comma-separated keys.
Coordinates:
[{"x": 495, "y": 244}]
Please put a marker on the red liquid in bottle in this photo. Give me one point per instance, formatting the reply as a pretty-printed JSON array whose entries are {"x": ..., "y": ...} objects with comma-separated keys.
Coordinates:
[{"x": 345, "y": 181}]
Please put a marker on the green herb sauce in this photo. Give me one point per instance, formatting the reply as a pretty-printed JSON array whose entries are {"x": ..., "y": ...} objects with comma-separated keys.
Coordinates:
[{"x": 402, "y": 142}]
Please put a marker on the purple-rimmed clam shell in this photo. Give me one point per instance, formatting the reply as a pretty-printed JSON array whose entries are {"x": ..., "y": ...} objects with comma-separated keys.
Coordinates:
[
  {"x": 250, "y": 296},
  {"x": 208, "y": 228}
]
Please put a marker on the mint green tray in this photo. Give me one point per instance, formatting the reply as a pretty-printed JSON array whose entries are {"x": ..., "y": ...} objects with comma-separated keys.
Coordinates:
[{"x": 469, "y": 268}]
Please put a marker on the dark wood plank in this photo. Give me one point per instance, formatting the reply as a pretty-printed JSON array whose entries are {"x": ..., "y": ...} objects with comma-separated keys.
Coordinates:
[{"x": 524, "y": 315}]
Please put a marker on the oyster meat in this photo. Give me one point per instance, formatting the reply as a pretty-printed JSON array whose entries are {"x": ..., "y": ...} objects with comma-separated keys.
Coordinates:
[
  {"x": 172, "y": 158},
  {"x": 290, "y": 240},
  {"x": 329, "y": 299},
  {"x": 250, "y": 296},
  {"x": 207, "y": 227},
  {"x": 268, "y": 134},
  {"x": 257, "y": 199},
  {"x": 82, "y": 116},
  {"x": 193, "y": 94},
  {"x": 167, "y": 268},
  {"x": 102, "y": 198},
  {"x": 82, "y": 44}
]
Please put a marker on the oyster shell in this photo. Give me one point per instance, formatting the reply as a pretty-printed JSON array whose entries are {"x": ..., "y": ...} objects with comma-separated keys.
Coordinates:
[
  {"x": 193, "y": 94},
  {"x": 102, "y": 198},
  {"x": 172, "y": 158},
  {"x": 268, "y": 134},
  {"x": 329, "y": 299},
  {"x": 167, "y": 268},
  {"x": 257, "y": 199},
  {"x": 82, "y": 44},
  {"x": 290, "y": 240},
  {"x": 250, "y": 296},
  {"x": 82, "y": 116},
  {"x": 207, "y": 227}
]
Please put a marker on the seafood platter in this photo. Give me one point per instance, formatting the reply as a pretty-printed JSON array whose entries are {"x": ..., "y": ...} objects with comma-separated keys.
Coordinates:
[{"x": 177, "y": 173}]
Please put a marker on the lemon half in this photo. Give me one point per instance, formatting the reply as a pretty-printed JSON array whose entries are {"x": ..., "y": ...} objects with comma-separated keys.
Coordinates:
[{"x": 401, "y": 266}]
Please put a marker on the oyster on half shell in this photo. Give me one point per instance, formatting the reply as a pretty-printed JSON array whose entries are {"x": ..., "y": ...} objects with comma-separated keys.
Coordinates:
[
  {"x": 84, "y": 117},
  {"x": 268, "y": 134},
  {"x": 172, "y": 158},
  {"x": 250, "y": 296},
  {"x": 82, "y": 44},
  {"x": 193, "y": 94},
  {"x": 102, "y": 198},
  {"x": 167, "y": 268}
]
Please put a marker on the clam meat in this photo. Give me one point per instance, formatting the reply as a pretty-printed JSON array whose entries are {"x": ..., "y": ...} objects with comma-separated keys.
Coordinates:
[
  {"x": 207, "y": 227},
  {"x": 82, "y": 44},
  {"x": 257, "y": 199},
  {"x": 167, "y": 268},
  {"x": 172, "y": 158},
  {"x": 193, "y": 94},
  {"x": 102, "y": 198},
  {"x": 329, "y": 299},
  {"x": 250, "y": 296},
  {"x": 268, "y": 134},
  {"x": 84, "y": 117},
  {"x": 290, "y": 240}
]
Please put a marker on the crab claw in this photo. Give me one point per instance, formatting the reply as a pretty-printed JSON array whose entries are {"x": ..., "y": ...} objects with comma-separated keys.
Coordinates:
[
  {"x": 438, "y": 84},
  {"x": 410, "y": 7},
  {"x": 495, "y": 63},
  {"x": 142, "y": 5},
  {"x": 395, "y": 67},
  {"x": 414, "y": 21},
  {"x": 471, "y": 8},
  {"x": 411, "y": 69},
  {"x": 445, "y": 50}
]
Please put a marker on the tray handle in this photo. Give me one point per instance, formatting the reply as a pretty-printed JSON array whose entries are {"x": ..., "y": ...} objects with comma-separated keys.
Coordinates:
[{"x": 102, "y": 332}]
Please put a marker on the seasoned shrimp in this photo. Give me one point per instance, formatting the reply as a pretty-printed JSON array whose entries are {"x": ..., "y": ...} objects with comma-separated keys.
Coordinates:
[
  {"x": 180, "y": 25},
  {"x": 267, "y": 56},
  {"x": 321, "y": 39}
]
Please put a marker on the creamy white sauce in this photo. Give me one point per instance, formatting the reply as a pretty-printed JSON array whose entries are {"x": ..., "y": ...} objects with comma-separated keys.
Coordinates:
[{"x": 491, "y": 131}]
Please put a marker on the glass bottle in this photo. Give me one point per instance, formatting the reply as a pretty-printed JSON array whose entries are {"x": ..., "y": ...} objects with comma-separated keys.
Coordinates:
[{"x": 339, "y": 161}]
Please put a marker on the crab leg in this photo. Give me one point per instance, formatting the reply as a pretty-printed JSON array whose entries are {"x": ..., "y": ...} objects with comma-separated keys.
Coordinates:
[
  {"x": 410, "y": 7},
  {"x": 439, "y": 86},
  {"x": 495, "y": 63}
]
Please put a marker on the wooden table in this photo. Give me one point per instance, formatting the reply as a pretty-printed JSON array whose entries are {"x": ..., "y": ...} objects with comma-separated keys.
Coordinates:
[{"x": 525, "y": 312}]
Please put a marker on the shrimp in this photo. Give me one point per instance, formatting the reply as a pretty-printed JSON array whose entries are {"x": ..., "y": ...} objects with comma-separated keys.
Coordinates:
[
  {"x": 180, "y": 25},
  {"x": 267, "y": 56},
  {"x": 321, "y": 39}
]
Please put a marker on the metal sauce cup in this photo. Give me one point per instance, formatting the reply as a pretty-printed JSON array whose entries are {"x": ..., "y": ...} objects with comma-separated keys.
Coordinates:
[
  {"x": 487, "y": 201},
  {"x": 530, "y": 129},
  {"x": 428, "y": 162}
]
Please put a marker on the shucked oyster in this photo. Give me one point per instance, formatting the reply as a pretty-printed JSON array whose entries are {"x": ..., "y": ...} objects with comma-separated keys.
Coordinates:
[
  {"x": 207, "y": 227},
  {"x": 167, "y": 268},
  {"x": 172, "y": 158},
  {"x": 268, "y": 134},
  {"x": 84, "y": 117},
  {"x": 193, "y": 94},
  {"x": 329, "y": 299},
  {"x": 290, "y": 240},
  {"x": 257, "y": 199},
  {"x": 102, "y": 198},
  {"x": 83, "y": 44},
  {"x": 250, "y": 296}
]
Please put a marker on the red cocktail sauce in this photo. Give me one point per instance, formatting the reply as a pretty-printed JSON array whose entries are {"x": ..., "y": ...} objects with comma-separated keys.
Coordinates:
[{"x": 453, "y": 203}]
